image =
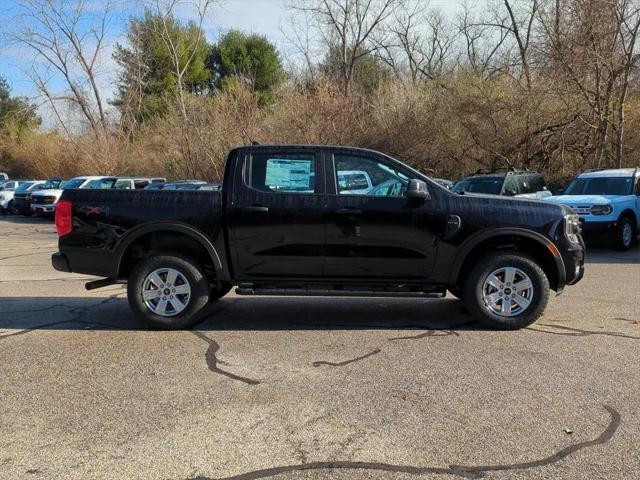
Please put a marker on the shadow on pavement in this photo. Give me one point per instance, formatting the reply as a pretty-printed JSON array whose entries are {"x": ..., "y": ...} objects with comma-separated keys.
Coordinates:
[
  {"x": 600, "y": 254},
  {"x": 241, "y": 313}
]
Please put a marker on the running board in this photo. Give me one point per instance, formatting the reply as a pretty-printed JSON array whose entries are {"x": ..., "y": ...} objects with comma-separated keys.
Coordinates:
[{"x": 318, "y": 292}]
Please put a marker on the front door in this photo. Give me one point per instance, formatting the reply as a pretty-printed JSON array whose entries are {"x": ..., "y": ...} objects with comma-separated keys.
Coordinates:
[
  {"x": 377, "y": 233},
  {"x": 276, "y": 217}
]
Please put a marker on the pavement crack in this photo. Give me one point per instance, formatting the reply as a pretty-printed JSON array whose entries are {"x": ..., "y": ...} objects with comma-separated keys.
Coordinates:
[
  {"x": 429, "y": 333},
  {"x": 467, "y": 471},
  {"x": 213, "y": 361},
  {"x": 346, "y": 362},
  {"x": 578, "y": 332}
]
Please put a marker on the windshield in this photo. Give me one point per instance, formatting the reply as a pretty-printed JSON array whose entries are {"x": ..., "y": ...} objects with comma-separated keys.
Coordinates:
[
  {"x": 51, "y": 184},
  {"x": 600, "y": 186},
  {"x": 489, "y": 185},
  {"x": 101, "y": 183},
  {"x": 73, "y": 183},
  {"x": 24, "y": 186}
]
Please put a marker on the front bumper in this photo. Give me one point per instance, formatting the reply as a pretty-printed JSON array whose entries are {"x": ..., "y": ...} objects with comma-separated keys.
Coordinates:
[
  {"x": 598, "y": 229},
  {"x": 41, "y": 209},
  {"x": 22, "y": 205},
  {"x": 573, "y": 256}
]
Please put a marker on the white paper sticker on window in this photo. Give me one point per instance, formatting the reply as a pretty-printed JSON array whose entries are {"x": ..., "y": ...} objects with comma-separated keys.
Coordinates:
[{"x": 284, "y": 174}]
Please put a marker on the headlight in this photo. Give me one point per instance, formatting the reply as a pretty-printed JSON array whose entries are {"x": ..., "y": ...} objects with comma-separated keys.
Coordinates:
[
  {"x": 601, "y": 209},
  {"x": 572, "y": 228}
]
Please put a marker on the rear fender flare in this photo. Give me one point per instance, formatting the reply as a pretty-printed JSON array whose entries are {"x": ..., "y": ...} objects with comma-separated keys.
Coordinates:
[
  {"x": 188, "y": 230},
  {"x": 469, "y": 244}
]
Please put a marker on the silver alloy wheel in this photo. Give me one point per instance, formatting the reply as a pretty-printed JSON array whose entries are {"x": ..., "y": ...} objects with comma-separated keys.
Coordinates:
[
  {"x": 166, "y": 292},
  {"x": 627, "y": 234},
  {"x": 507, "y": 292}
]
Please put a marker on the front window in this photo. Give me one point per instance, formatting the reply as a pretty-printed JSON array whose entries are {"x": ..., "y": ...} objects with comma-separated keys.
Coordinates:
[
  {"x": 487, "y": 185},
  {"x": 281, "y": 173},
  {"x": 600, "y": 186},
  {"x": 365, "y": 176}
]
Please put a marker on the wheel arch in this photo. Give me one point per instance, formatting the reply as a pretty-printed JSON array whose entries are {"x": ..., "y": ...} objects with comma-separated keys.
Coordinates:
[
  {"x": 152, "y": 234},
  {"x": 529, "y": 242},
  {"x": 628, "y": 212}
]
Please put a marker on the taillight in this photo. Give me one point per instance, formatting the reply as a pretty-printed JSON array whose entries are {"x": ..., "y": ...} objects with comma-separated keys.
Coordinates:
[{"x": 64, "y": 217}]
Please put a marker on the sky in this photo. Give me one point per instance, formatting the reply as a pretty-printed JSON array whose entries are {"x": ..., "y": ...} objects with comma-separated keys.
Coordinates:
[
  {"x": 259, "y": 16},
  {"x": 266, "y": 17}
]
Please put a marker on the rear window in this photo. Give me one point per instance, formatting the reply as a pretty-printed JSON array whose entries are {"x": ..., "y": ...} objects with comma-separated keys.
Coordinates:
[{"x": 488, "y": 185}]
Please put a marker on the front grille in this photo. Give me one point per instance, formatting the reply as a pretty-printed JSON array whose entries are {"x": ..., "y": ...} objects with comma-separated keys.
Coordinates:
[
  {"x": 42, "y": 200},
  {"x": 582, "y": 210}
]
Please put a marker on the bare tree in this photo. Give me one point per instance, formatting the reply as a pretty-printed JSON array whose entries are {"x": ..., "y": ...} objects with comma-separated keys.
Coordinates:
[
  {"x": 181, "y": 55},
  {"x": 68, "y": 38},
  {"x": 349, "y": 25},
  {"x": 419, "y": 41}
]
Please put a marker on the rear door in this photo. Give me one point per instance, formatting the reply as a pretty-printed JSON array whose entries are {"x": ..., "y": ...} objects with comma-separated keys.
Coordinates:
[
  {"x": 275, "y": 216},
  {"x": 379, "y": 234}
]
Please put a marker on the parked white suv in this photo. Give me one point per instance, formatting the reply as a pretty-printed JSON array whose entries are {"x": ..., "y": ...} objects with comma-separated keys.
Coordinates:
[
  {"x": 7, "y": 190},
  {"x": 44, "y": 202}
]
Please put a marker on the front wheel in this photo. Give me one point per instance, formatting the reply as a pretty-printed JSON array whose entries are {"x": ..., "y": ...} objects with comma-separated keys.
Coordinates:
[
  {"x": 624, "y": 234},
  {"x": 507, "y": 291},
  {"x": 168, "y": 291}
]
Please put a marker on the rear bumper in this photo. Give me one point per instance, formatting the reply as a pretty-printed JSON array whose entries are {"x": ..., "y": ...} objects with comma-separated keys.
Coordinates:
[
  {"x": 60, "y": 262},
  {"x": 81, "y": 260}
]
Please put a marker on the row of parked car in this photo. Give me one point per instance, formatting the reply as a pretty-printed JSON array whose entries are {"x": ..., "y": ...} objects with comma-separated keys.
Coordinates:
[
  {"x": 28, "y": 197},
  {"x": 607, "y": 201}
]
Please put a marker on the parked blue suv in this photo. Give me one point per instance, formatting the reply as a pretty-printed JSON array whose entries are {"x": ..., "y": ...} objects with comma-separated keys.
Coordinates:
[{"x": 607, "y": 202}]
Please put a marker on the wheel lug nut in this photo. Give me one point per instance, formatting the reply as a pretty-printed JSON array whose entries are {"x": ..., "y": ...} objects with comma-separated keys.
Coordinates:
[
  {"x": 164, "y": 298},
  {"x": 173, "y": 290}
]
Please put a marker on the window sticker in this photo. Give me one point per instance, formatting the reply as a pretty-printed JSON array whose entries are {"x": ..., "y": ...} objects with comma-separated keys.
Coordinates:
[{"x": 283, "y": 174}]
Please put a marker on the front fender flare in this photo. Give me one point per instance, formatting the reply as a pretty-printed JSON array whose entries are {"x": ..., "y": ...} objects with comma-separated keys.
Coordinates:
[{"x": 470, "y": 243}]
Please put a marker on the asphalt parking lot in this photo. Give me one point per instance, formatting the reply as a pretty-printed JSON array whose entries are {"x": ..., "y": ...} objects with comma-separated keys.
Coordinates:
[{"x": 321, "y": 388}]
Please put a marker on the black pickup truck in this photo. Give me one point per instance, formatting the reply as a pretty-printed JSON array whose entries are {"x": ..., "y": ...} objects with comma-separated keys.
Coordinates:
[{"x": 320, "y": 220}]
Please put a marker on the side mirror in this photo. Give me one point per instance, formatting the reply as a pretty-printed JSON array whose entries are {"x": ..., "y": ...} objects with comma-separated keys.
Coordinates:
[{"x": 417, "y": 189}]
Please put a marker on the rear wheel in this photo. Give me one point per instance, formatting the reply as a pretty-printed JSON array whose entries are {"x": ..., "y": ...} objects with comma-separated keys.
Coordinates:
[
  {"x": 507, "y": 291},
  {"x": 168, "y": 291},
  {"x": 624, "y": 234}
]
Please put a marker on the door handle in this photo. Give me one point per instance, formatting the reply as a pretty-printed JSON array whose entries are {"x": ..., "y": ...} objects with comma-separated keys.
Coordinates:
[
  {"x": 348, "y": 211},
  {"x": 256, "y": 209}
]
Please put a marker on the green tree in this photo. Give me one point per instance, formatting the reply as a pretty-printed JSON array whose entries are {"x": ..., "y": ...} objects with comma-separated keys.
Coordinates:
[
  {"x": 249, "y": 57},
  {"x": 16, "y": 113},
  {"x": 150, "y": 76}
]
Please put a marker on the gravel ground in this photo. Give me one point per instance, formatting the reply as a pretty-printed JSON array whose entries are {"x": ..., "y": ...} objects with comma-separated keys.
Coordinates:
[{"x": 320, "y": 388}]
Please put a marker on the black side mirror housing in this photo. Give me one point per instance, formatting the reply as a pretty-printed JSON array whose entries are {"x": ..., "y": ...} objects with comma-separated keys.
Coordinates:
[{"x": 417, "y": 190}]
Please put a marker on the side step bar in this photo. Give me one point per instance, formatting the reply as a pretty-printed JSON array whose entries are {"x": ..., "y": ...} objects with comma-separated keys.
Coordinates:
[{"x": 317, "y": 292}]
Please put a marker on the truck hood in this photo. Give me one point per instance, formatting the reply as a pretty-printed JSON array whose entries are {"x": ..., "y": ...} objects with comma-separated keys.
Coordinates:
[
  {"x": 583, "y": 199},
  {"x": 54, "y": 191}
]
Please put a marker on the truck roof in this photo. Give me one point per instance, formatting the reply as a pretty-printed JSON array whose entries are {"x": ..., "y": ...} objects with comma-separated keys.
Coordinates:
[{"x": 613, "y": 172}]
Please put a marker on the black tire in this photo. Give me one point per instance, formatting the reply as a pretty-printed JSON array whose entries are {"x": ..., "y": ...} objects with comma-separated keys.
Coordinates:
[
  {"x": 10, "y": 208},
  {"x": 192, "y": 272},
  {"x": 473, "y": 294},
  {"x": 621, "y": 243}
]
